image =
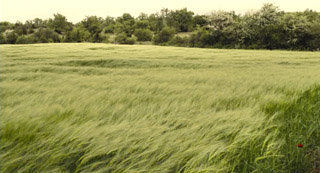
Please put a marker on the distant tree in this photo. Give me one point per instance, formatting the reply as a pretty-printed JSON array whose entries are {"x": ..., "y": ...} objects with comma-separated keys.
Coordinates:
[
  {"x": 20, "y": 28},
  {"x": 11, "y": 37},
  {"x": 30, "y": 26},
  {"x": 59, "y": 23},
  {"x": 179, "y": 41},
  {"x": 26, "y": 39},
  {"x": 164, "y": 35},
  {"x": 122, "y": 38},
  {"x": 143, "y": 16},
  {"x": 78, "y": 34},
  {"x": 199, "y": 21},
  {"x": 2, "y": 39},
  {"x": 125, "y": 24},
  {"x": 141, "y": 24},
  {"x": 46, "y": 35},
  {"x": 181, "y": 20},
  {"x": 94, "y": 25},
  {"x": 201, "y": 38},
  {"x": 39, "y": 23},
  {"x": 221, "y": 19},
  {"x": 156, "y": 22},
  {"x": 143, "y": 34},
  {"x": 4, "y": 26},
  {"x": 109, "y": 25}
]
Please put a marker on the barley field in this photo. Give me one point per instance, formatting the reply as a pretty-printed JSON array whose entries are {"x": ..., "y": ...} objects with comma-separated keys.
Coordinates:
[{"x": 141, "y": 108}]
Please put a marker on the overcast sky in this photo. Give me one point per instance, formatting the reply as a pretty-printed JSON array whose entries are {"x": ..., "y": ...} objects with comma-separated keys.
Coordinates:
[{"x": 76, "y": 10}]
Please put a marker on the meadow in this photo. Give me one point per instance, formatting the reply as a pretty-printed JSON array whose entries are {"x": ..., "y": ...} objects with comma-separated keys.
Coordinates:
[{"x": 85, "y": 107}]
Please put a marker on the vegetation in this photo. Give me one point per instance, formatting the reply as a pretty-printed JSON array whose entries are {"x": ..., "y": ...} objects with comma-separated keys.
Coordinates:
[
  {"x": 267, "y": 28},
  {"x": 84, "y": 107}
]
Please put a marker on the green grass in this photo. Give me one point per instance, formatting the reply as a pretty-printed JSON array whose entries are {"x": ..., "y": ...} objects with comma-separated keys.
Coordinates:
[{"x": 117, "y": 108}]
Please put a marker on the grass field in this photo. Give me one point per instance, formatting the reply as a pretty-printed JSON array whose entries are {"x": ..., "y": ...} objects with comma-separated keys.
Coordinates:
[{"x": 117, "y": 108}]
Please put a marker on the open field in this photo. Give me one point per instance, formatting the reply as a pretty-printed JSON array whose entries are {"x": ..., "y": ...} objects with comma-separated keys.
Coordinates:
[{"x": 117, "y": 108}]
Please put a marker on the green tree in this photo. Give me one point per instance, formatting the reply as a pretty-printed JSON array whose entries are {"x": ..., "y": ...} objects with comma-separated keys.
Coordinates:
[
  {"x": 94, "y": 25},
  {"x": 125, "y": 24},
  {"x": 60, "y": 23},
  {"x": 11, "y": 37},
  {"x": 26, "y": 39},
  {"x": 122, "y": 38},
  {"x": 109, "y": 25},
  {"x": 181, "y": 20},
  {"x": 143, "y": 34},
  {"x": 46, "y": 35},
  {"x": 78, "y": 34},
  {"x": 199, "y": 21},
  {"x": 156, "y": 22},
  {"x": 2, "y": 39},
  {"x": 164, "y": 35},
  {"x": 4, "y": 26}
]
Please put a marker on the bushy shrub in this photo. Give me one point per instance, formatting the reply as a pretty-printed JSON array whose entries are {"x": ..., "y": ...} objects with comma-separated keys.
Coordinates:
[
  {"x": 26, "y": 39},
  {"x": 143, "y": 34},
  {"x": 11, "y": 37},
  {"x": 109, "y": 29},
  {"x": 122, "y": 38},
  {"x": 164, "y": 35},
  {"x": 97, "y": 38},
  {"x": 77, "y": 35},
  {"x": 179, "y": 41},
  {"x": 2, "y": 39},
  {"x": 45, "y": 35},
  {"x": 201, "y": 38}
]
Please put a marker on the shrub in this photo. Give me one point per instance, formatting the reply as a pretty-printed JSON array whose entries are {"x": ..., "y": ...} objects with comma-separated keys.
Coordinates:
[
  {"x": 143, "y": 34},
  {"x": 201, "y": 38},
  {"x": 77, "y": 35},
  {"x": 45, "y": 35},
  {"x": 109, "y": 29},
  {"x": 122, "y": 38},
  {"x": 164, "y": 35},
  {"x": 11, "y": 37},
  {"x": 26, "y": 39},
  {"x": 179, "y": 41},
  {"x": 97, "y": 38},
  {"x": 2, "y": 39}
]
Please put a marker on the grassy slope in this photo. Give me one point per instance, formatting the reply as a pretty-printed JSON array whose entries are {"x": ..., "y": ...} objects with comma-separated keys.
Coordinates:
[{"x": 99, "y": 107}]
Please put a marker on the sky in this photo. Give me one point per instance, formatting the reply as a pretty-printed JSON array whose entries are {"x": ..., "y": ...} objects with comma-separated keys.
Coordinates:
[{"x": 76, "y": 10}]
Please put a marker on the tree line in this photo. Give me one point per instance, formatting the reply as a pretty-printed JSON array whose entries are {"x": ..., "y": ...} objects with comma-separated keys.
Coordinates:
[{"x": 266, "y": 28}]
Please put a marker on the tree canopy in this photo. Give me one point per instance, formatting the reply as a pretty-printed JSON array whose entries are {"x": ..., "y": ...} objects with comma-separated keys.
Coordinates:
[{"x": 267, "y": 28}]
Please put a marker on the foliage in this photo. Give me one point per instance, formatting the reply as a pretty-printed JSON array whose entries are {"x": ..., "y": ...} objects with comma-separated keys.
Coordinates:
[
  {"x": 59, "y": 24},
  {"x": 164, "y": 35},
  {"x": 78, "y": 34},
  {"x": 11, "y": 37},
  {"x": 180, "y": 20},
  {"x": 200, "y": 21},
  {"x": 201, "y": 38},
  {"x": 143, "y": 34},
  {"x": 122, "y": 38},
  {"x": 267, "y": 28},
  {"x": 46, "y": 35},
  {"x": 2, "y": 39},
  {"x": 179, "y": 41},
  {"x": 4, "y": 26},
  {"x": 26, "y": 39},
  {"x": 125, "y": 24}
]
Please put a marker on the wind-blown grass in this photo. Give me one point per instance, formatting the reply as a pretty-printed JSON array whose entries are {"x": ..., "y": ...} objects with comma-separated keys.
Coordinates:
[{"x": 116, "y": 108}]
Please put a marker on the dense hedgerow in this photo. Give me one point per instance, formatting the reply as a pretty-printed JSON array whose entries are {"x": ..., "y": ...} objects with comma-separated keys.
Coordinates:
[{"x": 267, "y": 28}]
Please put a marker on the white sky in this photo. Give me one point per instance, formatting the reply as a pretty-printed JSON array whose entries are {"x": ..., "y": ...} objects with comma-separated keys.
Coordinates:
[{"x": 76, "y": 10}]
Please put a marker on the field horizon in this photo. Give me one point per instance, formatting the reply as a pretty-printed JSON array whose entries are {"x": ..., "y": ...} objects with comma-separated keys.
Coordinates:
[{"x": 95, "y": 107}]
